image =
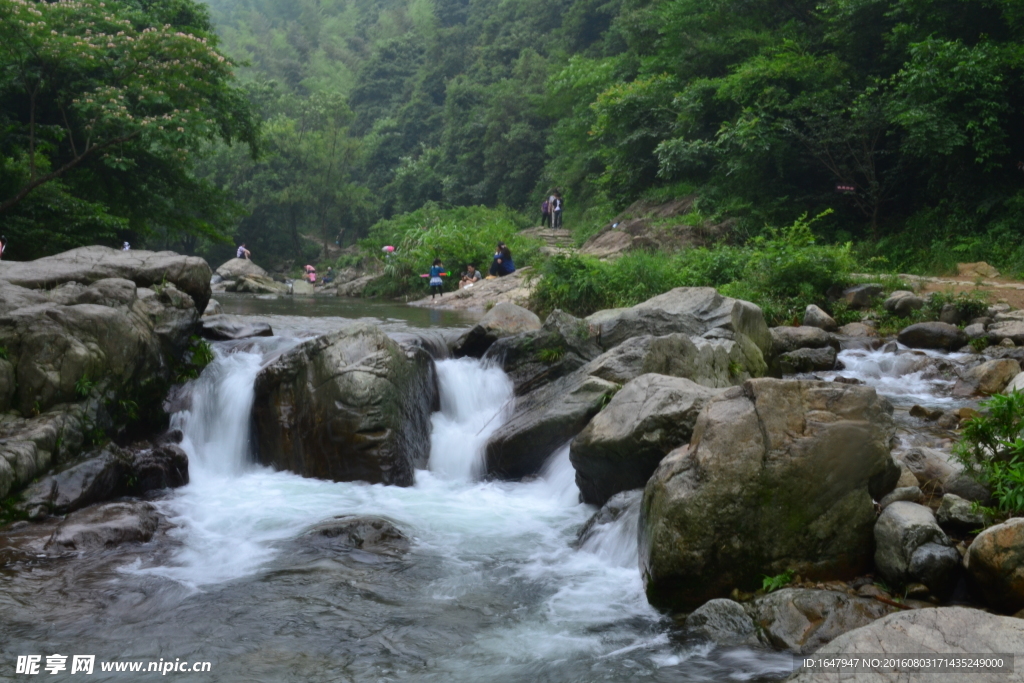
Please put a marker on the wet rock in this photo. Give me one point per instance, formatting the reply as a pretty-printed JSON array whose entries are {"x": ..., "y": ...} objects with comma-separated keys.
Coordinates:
[
  {"x": 991, "y": 377},
  {"x": 722, "y": 621},
  {"x": 623, "y": 444},
  {"x": 222, "y": 327},
  {"x": 543, "y": 421},
  {"x": 948, "y": 421},
  {"x": 213, "y": 308},
  {"x": 807, "y": 360},
  {"x": 1007, "y": 331},
  {"x": 348, "y": 406},
  {"x": 105, "y": 526},
  {"x": 860, "y": 297},
  {"x": 925, "y": 413},
  {"x": 848, "y": 380},
  {"x": 957, "y": 515},
  {"x": 975, "y": 331},
  {"x": 161, "y": 467},
  {"x": 995, "y": 564},
  {"x": 815, "y": 317},
  {"x": 932, "y": 335},
  {"x": 903, "y": 303},
  {"x": 693, "y": 311},
  {"x": 97, "y": 479},
  {"x": 786, "y": 339},
  {"x": 237, "y": 268},
  {"x": 931, "y": 467},
  {"x": 533, "y": 359},
  {"x": 504, "y": 320},
  {"x": 776, "y": 477},
  {"x": 858, "y": 330},
  {"x": 949, "y": 630},
  {"x": 907, "y": 493},
  {"x": 907, "y": 478},
  {"x": 257, "y": 284},
  {"x": 802, "y": 620},
  {"x": 351, "y": 532},
  {"x": 1015, "y": 384},
  {"x": 910, "y": 547},
  {"x": 611, "y": 511}
]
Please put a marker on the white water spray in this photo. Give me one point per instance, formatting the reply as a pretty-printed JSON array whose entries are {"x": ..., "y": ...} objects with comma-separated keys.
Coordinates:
[{"x": 475, "y": 401}]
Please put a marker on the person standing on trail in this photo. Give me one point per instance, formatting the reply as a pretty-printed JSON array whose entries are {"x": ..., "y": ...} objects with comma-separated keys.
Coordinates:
[
  {"x": 545, "y": 213},
  {"x": 557, "y": 210}
]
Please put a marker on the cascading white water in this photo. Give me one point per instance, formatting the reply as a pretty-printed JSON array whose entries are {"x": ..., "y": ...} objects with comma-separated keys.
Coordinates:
[
  {"x": 474, "y": 402},
  {"x": 480, "y": 547},
  {"x": 908, "y": 376}
]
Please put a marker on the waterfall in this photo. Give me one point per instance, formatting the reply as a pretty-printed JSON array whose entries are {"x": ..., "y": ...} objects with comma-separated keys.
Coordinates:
[{"x": 475, "y": 400}]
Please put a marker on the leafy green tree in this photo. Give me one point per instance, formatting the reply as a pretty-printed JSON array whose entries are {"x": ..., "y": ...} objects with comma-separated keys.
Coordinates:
[{"x": 88, "y": 89}]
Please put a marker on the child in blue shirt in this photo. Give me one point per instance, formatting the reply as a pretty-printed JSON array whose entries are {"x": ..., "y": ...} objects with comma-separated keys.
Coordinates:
[{"x": 435, "y": 278}]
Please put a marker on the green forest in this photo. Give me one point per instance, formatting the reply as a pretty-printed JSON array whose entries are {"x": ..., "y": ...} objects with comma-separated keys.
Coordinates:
[{"x": 298, "y": 126}]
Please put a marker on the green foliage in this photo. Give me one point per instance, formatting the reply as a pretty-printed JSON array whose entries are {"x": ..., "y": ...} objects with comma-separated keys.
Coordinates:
[
  {"x": 84, "y": 386},
  {"x": 782, "y": 272},
  {"x": 774, "y": 583},
  {"x": 458, "y": 236},
  {"x": 103, "y": 109},
  {"x": 991, "y": 448},
  {"x": 551, "y": 355},
  {"x": 4, "y": 353},
  {"x": 968, "y": 304},
  {"x": 979, "y": 344},
  {"x": 198, "y": 356}
]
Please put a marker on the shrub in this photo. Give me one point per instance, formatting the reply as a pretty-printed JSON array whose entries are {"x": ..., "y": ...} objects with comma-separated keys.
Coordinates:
[
  {"x": 991, "y": 449},
  {"x": 457, "y": 236}
]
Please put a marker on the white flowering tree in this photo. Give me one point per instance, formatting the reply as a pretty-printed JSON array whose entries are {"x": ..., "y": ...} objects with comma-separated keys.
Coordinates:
[{"x": 86, "y": 81}]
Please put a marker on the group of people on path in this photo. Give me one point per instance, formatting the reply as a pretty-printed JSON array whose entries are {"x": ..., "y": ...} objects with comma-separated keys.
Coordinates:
[
  {"x": 551, "y": 210},
  {"x": 501, "y": 265}
]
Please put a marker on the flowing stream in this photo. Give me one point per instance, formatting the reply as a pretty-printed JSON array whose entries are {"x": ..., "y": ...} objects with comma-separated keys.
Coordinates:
[{"x": 492, "y": 588}]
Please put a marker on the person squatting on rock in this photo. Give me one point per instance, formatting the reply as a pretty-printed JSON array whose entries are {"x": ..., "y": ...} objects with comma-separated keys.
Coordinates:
[
  {"x": 471, "y": 276},
  {"x": 242, "y": 251},
  {"x": 436, "y": 284},
  {"x": 502, "y": 264}
]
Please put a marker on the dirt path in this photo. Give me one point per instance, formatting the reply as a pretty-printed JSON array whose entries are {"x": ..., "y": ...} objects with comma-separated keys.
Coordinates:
[{"x": 998, "y": 290}]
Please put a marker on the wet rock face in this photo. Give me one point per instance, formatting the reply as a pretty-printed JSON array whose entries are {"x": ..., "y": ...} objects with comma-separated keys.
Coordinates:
[
  {"x": 351, "y": 532},
  {"x": 623, "y": 444},
  {"x": 932, "y": 335},
  {"x": 617, "y": 506},
  {"x": 802, "y": 620},
  {"x": 995, "y": 564},
  {"x": 778, "y": 475},
  {"x": 349, "y": 406},
  {"x": 224, "y": 327},
  {"x": 723, "y": 622},
  {"x": 912, "y": 548},
  {"x": 948, "y": 630},
  {"x": 504, "y": 320},
  {"x": 105, "y": 526}
]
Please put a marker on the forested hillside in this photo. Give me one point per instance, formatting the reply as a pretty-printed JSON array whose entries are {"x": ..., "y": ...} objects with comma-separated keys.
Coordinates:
[
  {"x": 763, "y": 109},
  {"x": 904, "y": 117}
]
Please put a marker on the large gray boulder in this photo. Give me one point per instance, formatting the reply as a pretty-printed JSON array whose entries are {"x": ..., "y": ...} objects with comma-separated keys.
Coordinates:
[
  {"x": 903, "y": 303},
  {"x": 237, "y": 268},
  {"x": 938, "y": 473},
  {"x": 693, "y": 311},
  {"x": 347, "y": 406},
  {"x": 623, "y": 444},
  {"x": 723, "y": 622},
  {"x": 543, "y": 421},
  {"x": 779, "y": 475},
  {"x": 990, "y": 377},
  {"x": 958, "y": 515},
  {"x": 912, "y": 548},
  {"x": 787, "y": 338},
  {"x": 504, "y": 320},
  {"x": 532, "y": 359},
  {"x": 225, "y": 327},
  {"x": 105, "y": 526},
  {"x": 941, "y": 631},
  {"x": 86, "y": 265},
  {"x": 932, "y": 335},
  {"x": 803, "y": 619},
  {"x": 1002, "y": 330},
  {"x": 995, "y": 564},
  {"x": 815, "y": 317},
  {"x": 76, "y": 351},
  {"x": 709, "y": 362},
  {"x": 807, "y": 360}
]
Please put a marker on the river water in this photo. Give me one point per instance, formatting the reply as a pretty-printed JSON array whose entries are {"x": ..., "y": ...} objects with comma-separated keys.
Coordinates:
[{"x": 492, "y": 588}]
